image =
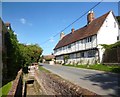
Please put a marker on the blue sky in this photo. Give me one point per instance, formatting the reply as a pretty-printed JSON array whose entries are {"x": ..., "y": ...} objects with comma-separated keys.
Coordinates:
[{"x": 36, "y": 22}]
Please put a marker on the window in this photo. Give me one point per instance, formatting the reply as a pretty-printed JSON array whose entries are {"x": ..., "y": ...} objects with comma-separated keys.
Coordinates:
[
  {"x": 71, "y": 56},
  {"x": 117, "y": 37},
  {"x": 89, "y": 39},
  {"x": 106, "y": 23},
  {"x": 60, "y": 49},
  {"x": 81, "y": 41},
  {"x": 91, "y": 53},
  {"x": 69, "y": 46},
  {"x": 78, "y": 55},
  {"x": 74, "y": 55},
  {"x": 82, "y": 54}
]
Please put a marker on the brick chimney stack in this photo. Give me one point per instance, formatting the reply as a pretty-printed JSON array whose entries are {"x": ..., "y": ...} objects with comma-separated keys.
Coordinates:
[
  {"x": 90, "y": 17},
  {"x": 62, "y": 35},
  {"x": 8, "y": 25},
  {"x": 72, "y": 30}
]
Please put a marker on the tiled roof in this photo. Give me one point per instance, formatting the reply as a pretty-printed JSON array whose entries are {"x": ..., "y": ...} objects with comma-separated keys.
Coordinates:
[
  {"x": 86, "y": 31},
  {"x": 49, "y": 57}
]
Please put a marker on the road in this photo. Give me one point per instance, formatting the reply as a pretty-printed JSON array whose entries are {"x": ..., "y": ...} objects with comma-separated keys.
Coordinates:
[{"x": 96, "y": 81}]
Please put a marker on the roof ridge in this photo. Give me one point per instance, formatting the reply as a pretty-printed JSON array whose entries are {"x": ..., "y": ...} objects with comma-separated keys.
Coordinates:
[{"x": 83, "y": 32}]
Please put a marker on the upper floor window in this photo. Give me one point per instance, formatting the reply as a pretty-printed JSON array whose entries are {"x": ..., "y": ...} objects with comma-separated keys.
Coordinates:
[
  {"x": 60, "y": 49},
  {"x": 81, "y": 41},
  {"x": 69, "y": 46},
  {"x": 106, "y": 23},
  {"x": 89, "y": 39}
]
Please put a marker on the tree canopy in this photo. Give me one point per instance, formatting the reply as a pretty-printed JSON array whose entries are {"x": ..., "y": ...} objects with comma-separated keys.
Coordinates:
[{"x": 18, "y": 54}]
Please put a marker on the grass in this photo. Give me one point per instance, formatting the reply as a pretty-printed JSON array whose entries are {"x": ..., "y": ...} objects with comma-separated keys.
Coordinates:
[
  {"x": 43, "y": 69},
  {"x": 6, "y": 88},
  {"x": 115, "y": 69}
]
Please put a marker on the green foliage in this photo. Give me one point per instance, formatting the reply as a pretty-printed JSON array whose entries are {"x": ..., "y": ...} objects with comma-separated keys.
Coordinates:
[
  {"x": 65, "y": 57},
  {"x": 30, "y": 53},
  {"x": 6, "y": 88},
  {"x": 13, "y": 54},
  {"x": 108, "y": 47},
  {"x": 43, "y": 69},
  {"x": 115, "y": 69},
  {"x": 19, "y": 55}
]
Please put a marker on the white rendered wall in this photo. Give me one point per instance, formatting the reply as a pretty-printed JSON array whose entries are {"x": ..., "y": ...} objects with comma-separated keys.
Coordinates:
[
  {"x": 77, "y": 46},
  {"x": 107, "y": 34}
]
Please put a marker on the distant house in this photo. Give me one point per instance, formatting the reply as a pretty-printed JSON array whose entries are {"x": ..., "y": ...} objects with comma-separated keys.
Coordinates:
[
  {"x": 84, "y": 45},
  {"x": 48, "y": 59}
]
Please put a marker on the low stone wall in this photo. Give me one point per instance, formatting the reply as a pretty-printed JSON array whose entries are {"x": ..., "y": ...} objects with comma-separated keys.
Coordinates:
[
  {"x": 55, "y": 85},
  {"x": 16, "y": 89}
]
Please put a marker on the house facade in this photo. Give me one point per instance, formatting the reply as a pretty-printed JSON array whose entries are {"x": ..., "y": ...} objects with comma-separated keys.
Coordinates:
[{"x": 83, "y": 46}]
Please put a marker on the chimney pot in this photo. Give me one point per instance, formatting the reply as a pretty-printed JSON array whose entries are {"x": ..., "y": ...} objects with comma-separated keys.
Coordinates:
[
  {"x": 72, "y": 30},
  {"x": 90, "y": 17},
  {"x": 62, "y": 35}
]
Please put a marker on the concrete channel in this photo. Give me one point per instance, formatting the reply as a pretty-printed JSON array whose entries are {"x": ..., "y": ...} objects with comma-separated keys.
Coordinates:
[{"x": 42, "y": 83}]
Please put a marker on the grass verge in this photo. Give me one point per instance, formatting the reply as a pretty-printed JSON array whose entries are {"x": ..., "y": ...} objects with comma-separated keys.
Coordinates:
[
  {"x": 115, "y": 69},
  {"x": 43, "y": 69},
  {"x": 5, "y": 89}
]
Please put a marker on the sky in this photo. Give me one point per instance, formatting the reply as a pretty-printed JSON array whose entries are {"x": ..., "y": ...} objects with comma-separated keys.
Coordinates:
[{"x": 37, "y": 22}]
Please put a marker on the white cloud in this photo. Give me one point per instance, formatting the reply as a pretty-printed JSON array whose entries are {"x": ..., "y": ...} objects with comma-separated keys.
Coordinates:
[{"x": 23, "y": 20}]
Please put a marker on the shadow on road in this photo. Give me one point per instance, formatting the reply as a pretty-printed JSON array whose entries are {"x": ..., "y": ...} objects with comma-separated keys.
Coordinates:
[{"x": 106, "y": 81}]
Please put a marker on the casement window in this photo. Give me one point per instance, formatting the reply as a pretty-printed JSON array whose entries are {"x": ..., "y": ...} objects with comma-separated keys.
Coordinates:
[
  {"x": 74, "y": 55},
  {"x": 60, "y": 49},
  {"x": 118, "y": 38},
  {"x": 89, "y": 39},
  {"x": 82, "y": 54},
  {"x": 82, "y": 42},
  {"x": 91, "y": 53},
  {"x": 71, "y": 56},
  {"x": 78, "y": 55},
  {"x": 69, "y": 46}
]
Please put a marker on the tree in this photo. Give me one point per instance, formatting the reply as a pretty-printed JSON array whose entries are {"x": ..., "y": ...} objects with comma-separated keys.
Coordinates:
[
  {"x": 66, "y": 57},
  {"x": 19, "y": 55},
  {"x": 12, "y": 53},
  {"x": 30, "y": 53}
]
